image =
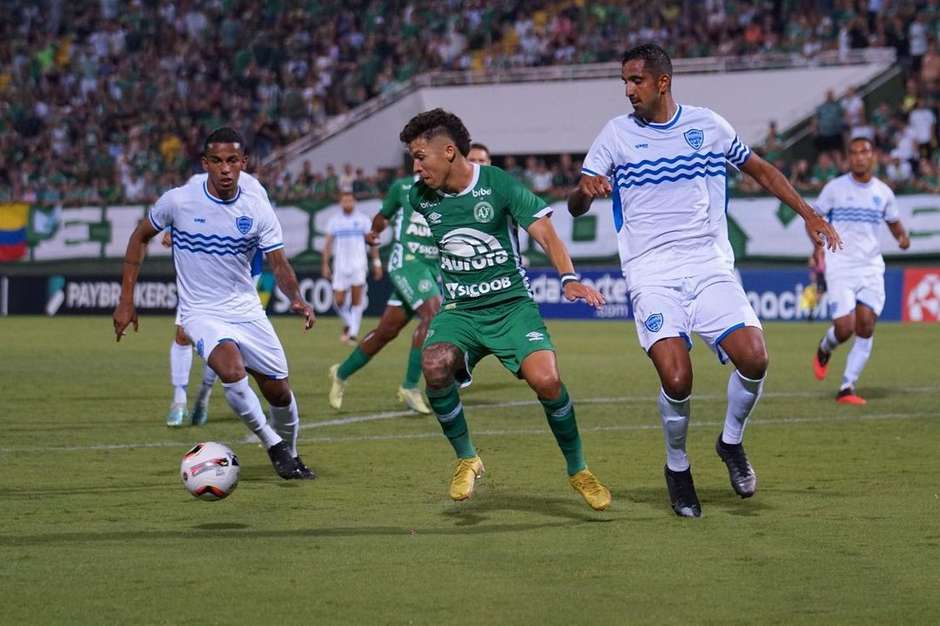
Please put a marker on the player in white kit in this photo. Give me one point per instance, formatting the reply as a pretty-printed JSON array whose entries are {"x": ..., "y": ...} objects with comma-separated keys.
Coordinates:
[
  {"x": 218, "y": 222},
  {"x": 858, "y": 203},
  {"x": 666, "y": 167},
  {"x": 346, "y": 245}
]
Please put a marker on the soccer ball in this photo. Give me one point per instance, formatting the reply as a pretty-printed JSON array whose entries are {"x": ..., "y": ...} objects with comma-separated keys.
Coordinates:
[{"x": 209, "y": 471}]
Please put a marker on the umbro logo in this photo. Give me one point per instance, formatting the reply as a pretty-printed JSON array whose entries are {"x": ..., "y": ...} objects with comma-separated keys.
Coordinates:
[
  {"x": 435, "y": 218},
  {"x": 199, "y": 220},
  {"x": 642, "y": 145},
  {"x": 535, "y": 336}
]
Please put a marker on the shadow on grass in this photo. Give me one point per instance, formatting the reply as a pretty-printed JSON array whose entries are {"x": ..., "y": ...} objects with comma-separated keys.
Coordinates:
[
  {"x": 228, "y": 531},
  {"x": 712, "y": 498},
  {"x": 474, "y": 512}
]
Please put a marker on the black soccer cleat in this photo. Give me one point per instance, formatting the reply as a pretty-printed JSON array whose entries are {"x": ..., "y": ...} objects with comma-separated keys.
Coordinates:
[
  {"x": 682, "y": 494},
  {"x": 284, "y": 464},
  {"x": 742, "y": 475},
  {"x": 303, "y": 472}
]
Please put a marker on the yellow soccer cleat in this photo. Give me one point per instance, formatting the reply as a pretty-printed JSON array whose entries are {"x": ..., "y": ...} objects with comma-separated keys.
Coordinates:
[
  {"x": 594, "y": 493},
  {"x": 466, "y": 474},
  {"x": 337, "y": 388},
  {"x": 414, "y": 400}
]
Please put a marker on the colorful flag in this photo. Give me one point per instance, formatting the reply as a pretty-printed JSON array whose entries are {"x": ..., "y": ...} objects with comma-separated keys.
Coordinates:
[{"x": 14, "y": 218}]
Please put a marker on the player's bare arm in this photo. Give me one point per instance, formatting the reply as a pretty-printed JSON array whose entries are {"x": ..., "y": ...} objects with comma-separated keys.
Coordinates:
[
  {"x": 375, "y": 258},
  {"x": 287, "y": 282},
  {"x": 125, "y": 313},
  {"x": 325, "y": 258},
  {"x": 900, "y": 234},
  {"x": 379, "y": 223},
  {"x": 543, "y": 232},
  {"x": 589, "y": 187},
  {"x": 769, "y": 177}
]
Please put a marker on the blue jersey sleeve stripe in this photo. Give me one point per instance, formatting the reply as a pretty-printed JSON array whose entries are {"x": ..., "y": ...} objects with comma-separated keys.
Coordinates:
[
  {"x": 272, "y": 247},
  {"x": 591, "y": 172},
  {"x": 153, "y": 222}
]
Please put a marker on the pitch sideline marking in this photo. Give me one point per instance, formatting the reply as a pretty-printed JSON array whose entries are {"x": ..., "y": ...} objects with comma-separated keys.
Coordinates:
[{"x": 513, "y": 403}]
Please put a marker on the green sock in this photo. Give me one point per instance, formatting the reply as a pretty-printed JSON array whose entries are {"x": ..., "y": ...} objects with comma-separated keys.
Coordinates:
[
  {"x": 560, "y": 414},
  {"x": 413, "y": 373},
  {"x": 353, "y": 363},
  {"x": 447, "y": 406}
]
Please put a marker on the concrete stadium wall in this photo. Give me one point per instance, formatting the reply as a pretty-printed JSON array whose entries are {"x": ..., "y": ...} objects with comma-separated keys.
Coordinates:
[{"x": 564, "y": 116}]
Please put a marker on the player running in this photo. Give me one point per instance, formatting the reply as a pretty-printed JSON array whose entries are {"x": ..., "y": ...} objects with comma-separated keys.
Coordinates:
[
  {"x": 665, "y": 164},
  {"x": 857, "y": 203},
  {"x": 218, "y": 221},
  {"x": 473, "y": 211},
  {"x": 346, "y": 244},
  {"x": 414, "y": 268}
]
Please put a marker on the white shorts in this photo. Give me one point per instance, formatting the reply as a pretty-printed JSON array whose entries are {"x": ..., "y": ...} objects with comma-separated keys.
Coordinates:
[
  {"x": 343, "y": 279},
  {"x": 843, "y": 293},
  {"x": 712, "y": 306},
  {"x": 256, "y": 340}
]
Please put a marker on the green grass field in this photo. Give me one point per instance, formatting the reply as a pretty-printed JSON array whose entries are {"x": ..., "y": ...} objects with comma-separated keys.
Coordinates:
[{"x": 97, "y": 529}]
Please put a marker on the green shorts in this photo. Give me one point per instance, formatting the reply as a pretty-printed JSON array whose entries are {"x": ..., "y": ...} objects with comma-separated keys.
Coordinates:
[
  {"x": 511, "y": 331},
  {"x": 414, "y": 284}
]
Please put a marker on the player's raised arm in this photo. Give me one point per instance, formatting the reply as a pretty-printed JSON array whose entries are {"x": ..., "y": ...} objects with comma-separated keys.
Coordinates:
[
  {"x": 769, "y": 177},
  {"x": 543, "y": 232},
  {"x": 287, "y": 282},
  {"x": 125, "y": 313},
  {"x": 589, "y": 187},
  {"x": 379, "y": 224}
]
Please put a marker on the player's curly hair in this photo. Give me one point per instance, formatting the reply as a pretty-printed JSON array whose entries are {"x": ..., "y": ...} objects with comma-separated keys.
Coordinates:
[
  {"x": 437, "y": 122},
  {"x": 225, "y": 134},
  {"x": 655, "y": 60}
]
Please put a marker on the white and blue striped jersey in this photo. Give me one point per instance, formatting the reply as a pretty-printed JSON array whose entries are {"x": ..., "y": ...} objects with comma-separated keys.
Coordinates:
[
  {"x": 669, "y": 192},
  {"x": 857, "y": 210},
  {"x": 215, "y": 243},
  {"x": 349, "y": 243}
]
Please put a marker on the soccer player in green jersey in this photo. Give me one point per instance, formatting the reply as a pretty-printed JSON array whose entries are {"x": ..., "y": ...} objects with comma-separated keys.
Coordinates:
[
  {"x": 473, "y": 212},
  {"x": 414, "y": 269}
]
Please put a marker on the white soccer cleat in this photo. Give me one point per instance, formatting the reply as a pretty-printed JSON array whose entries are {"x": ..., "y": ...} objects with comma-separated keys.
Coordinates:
[
  {"x": 337, "y": 388},
  {"x": 176, "y": 415}
]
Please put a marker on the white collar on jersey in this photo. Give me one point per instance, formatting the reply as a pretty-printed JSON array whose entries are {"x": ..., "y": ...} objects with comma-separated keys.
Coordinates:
[
  {"x": 205, "y": 188},
  {"x": 663, "y": 126},
  {"x": 473, "y": 183}
]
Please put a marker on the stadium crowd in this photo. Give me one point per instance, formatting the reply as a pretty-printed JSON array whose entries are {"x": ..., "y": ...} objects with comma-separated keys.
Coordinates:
[{"x": 114, "y": 108}]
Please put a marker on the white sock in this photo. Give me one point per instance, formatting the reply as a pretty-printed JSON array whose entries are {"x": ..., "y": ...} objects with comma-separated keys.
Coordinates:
[
  {"x": 858, "y": 357},
  {"x": 343, "y": 312},
  {"x": 743, "y": 394},
  {"x": 287, "y": 423},
  {"x": 205, "y": 389},
  {"x": 355, "y": 319},
  {"x": 245, "y": 404},
  {"x": 829, "y": 341},
  {"x": 181, "y": 360},
  {"x": 675, "y": 417}
]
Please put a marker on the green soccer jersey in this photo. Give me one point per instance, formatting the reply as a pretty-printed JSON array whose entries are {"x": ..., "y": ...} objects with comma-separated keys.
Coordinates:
[
  {"x": 412, "y": 237},
  {"x": 475, "y": 231}
]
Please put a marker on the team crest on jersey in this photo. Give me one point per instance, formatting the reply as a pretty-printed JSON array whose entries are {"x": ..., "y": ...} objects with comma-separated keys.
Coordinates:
[
  {"x": 694, "y": 137},
  {"x": 654, "y": 322},
  {"x": 243, "y": 224},
  {"x": 483, "y": 212}
]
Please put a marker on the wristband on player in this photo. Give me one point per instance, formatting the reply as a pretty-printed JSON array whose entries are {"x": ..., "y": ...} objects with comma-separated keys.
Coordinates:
[{"x": 569, "y": 278}]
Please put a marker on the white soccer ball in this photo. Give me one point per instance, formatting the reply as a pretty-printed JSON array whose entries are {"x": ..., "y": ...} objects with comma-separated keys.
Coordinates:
[{"x": 209, "y": 471}]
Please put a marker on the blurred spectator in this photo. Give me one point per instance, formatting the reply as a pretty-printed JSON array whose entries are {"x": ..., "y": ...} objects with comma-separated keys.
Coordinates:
[
  {"x": 829, "y": 124},
  {"x": 922, "y": 122}
]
